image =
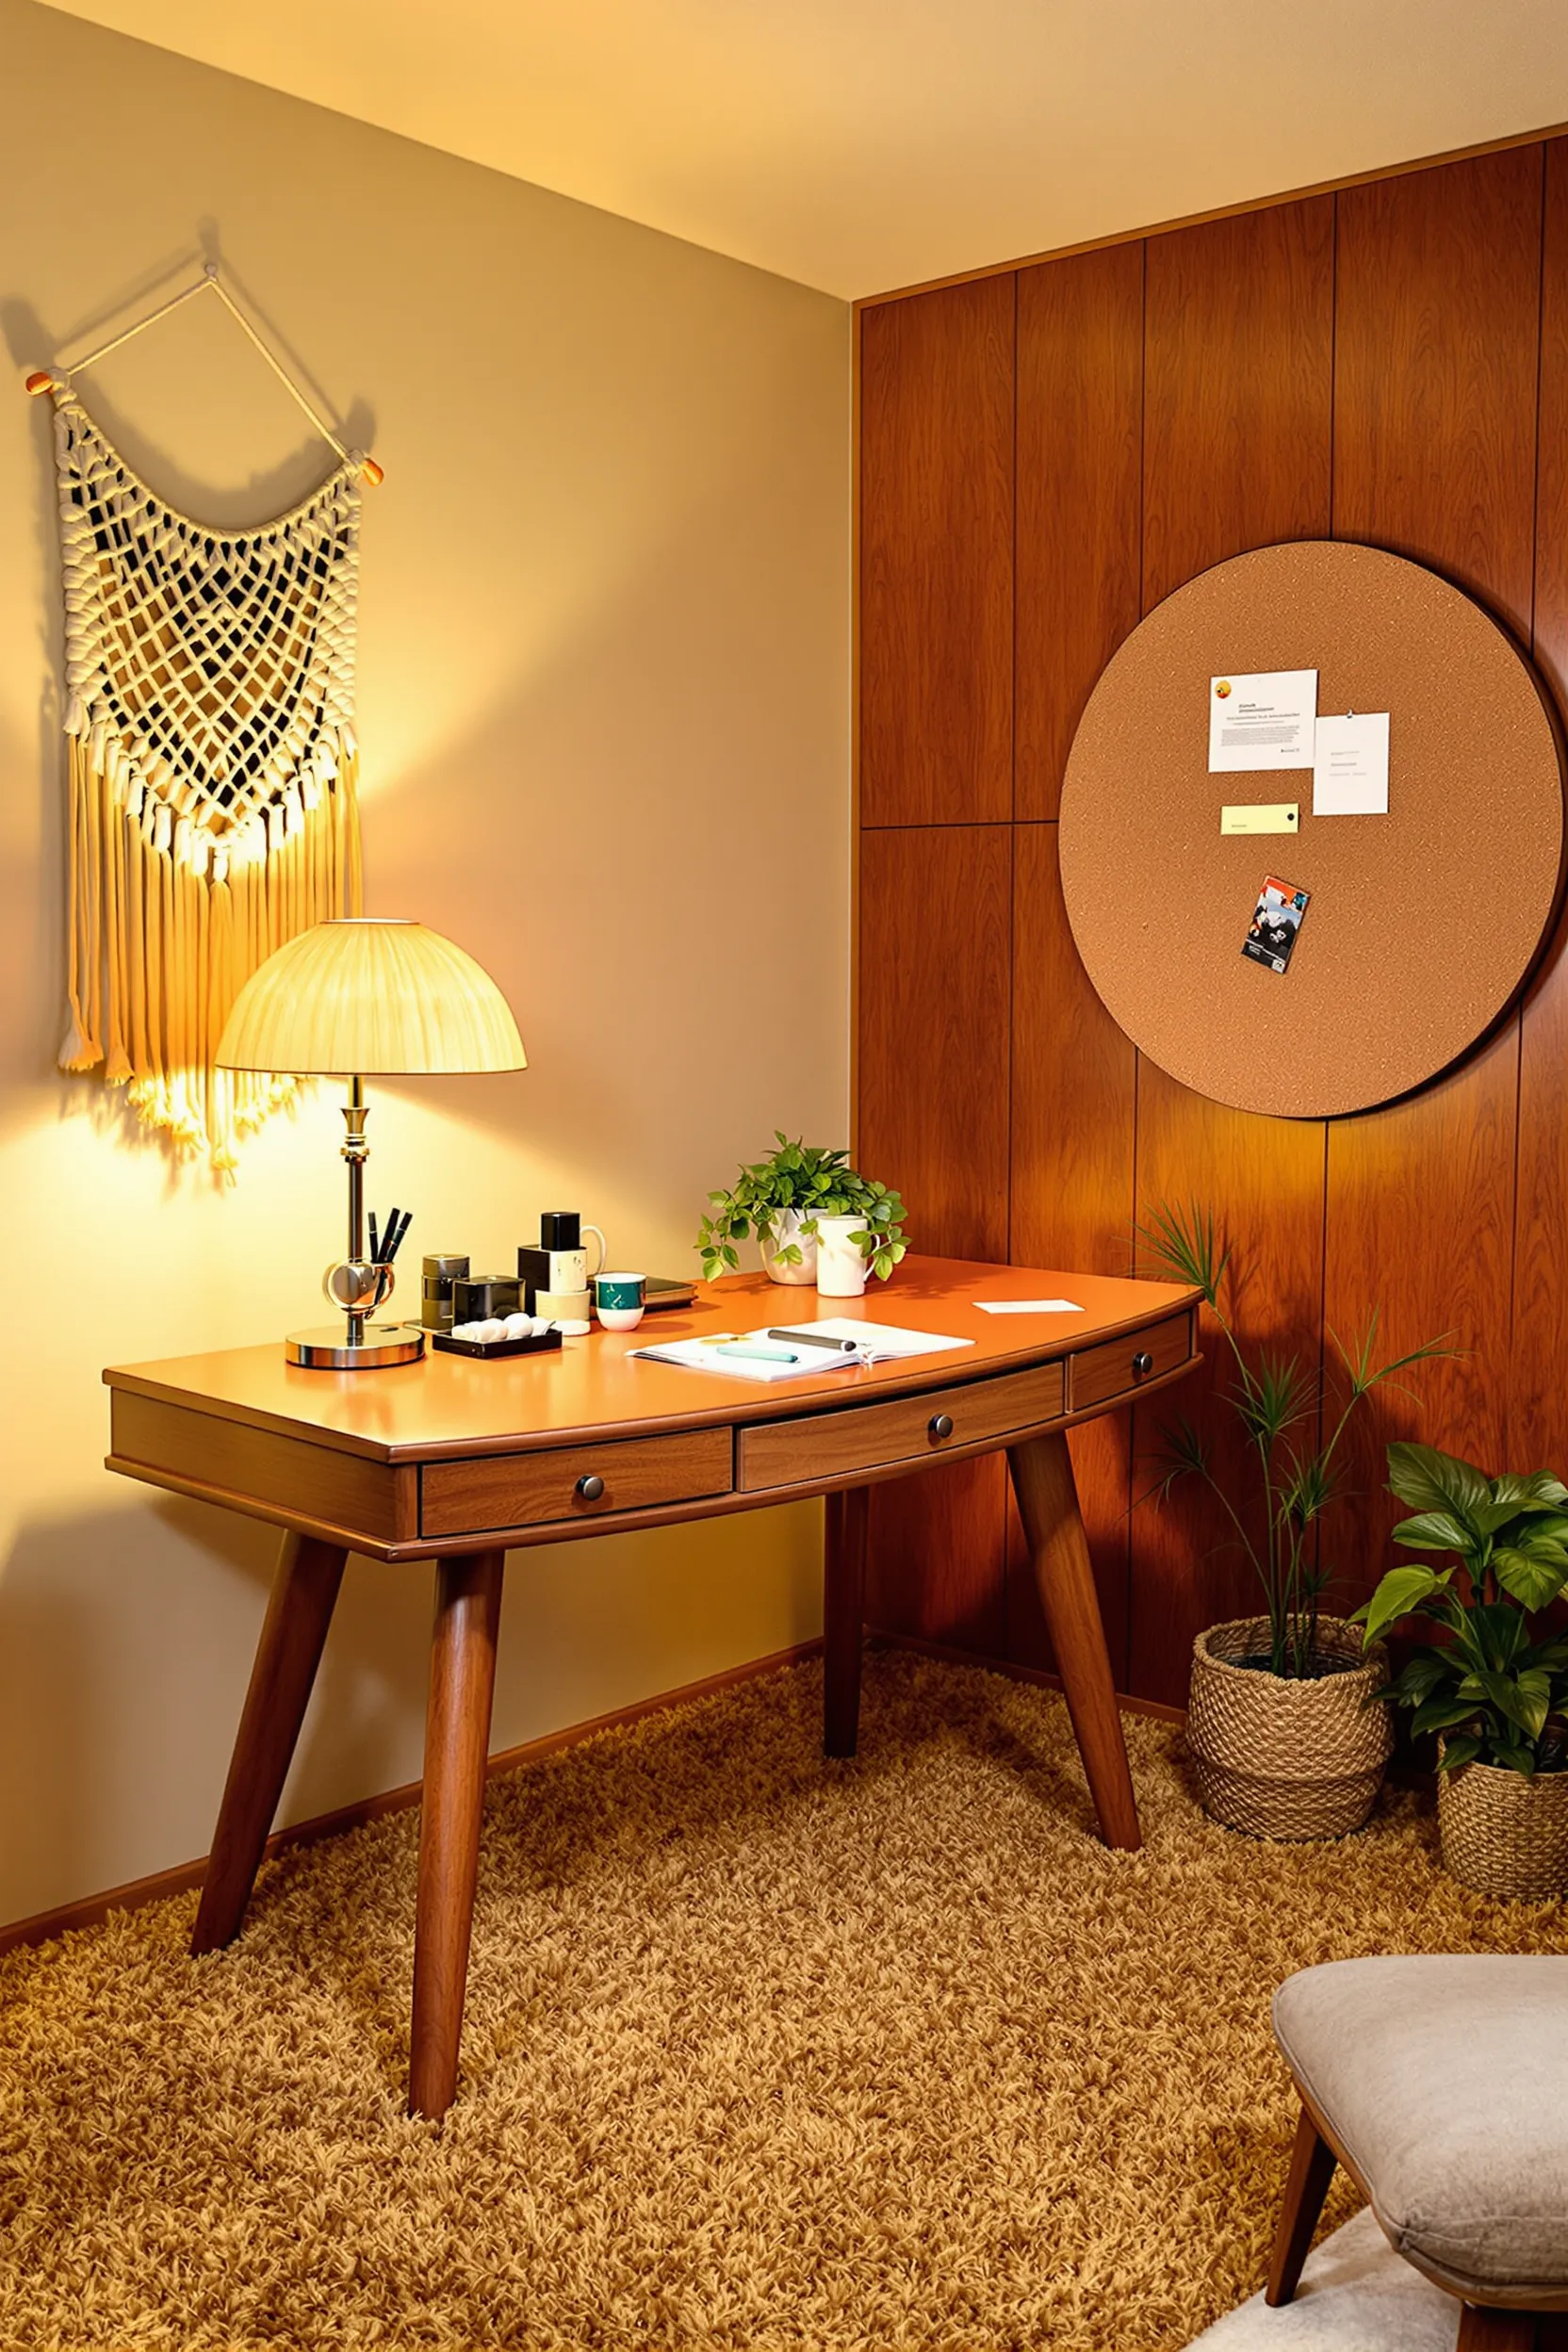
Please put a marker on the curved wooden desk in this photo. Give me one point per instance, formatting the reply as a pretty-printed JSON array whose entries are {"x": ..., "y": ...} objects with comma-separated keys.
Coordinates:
[{"x": 462, "y": 1461}]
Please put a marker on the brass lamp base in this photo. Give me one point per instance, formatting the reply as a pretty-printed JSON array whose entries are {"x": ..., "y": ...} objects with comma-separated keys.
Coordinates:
[{"x": 326, "y": 1348}]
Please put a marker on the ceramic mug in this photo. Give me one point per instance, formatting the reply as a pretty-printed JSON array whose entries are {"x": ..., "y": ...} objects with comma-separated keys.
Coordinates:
[
  {"x": 841, "y": 1269},
  {"x": 619, "y": 1301}
]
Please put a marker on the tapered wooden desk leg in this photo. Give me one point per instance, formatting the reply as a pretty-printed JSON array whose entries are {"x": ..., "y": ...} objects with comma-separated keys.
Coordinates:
[
  {"x": 457, "y": 1742},
  {"x": 844, "y": 1608},
  {"x": 298, "y": 1615},
  {"x": 1048, "y": 1505}
]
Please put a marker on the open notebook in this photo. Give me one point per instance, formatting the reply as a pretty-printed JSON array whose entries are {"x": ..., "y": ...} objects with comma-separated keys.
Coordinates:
[{"x": 872, "y": 1343}]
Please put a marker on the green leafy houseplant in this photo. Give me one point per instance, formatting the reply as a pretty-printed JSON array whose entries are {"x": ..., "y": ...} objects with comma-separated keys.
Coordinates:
[
  {"x": 811, "y": 1181},
  {"x": 1497, "y": 1695},
  {"x": 1284, "y": 1409}
]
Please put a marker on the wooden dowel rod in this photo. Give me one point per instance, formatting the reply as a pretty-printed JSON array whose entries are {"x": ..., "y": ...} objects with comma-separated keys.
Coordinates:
[{"x": 44, "y": 380}]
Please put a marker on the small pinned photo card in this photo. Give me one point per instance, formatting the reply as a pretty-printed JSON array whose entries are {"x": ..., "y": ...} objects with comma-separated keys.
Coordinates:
[{"x": 1276, "y": 924}]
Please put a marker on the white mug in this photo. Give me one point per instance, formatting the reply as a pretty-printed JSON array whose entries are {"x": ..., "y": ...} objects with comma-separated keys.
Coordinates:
[
  {"x": 569, "y": 1267},
  {"x": 841, "y": 1267}
]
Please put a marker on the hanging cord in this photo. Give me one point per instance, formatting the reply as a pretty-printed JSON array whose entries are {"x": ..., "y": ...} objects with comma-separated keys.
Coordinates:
[{"x": 51, "y": 380}]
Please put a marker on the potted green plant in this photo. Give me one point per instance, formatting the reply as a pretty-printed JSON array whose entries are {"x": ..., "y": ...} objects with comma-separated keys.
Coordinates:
[
  {"x": 1494, "y": 1688},
  {"x": 1284, "y": 1742},
  {"x": 786, "y": 1199}
]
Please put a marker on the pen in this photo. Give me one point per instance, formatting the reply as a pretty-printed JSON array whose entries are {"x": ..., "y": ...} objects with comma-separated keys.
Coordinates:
[
  {"x": 759, "y": 1355},
  {"x": 375, "y": 1246},
  {"x": 396, "y": 1233},
  {"x": 816, "y": 1339}
]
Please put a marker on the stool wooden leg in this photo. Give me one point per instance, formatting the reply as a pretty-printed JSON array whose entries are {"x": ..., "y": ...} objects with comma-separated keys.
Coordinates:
[
  {"x": 457, "y": 1743},
  {"x": 843, "y": 1615},
  {"x": 1048, "y": 1505},
  {"x": 1494, "y": 2331},
  {"x": 1311, "y": 2168},
  {"x": 298, "y": 1615}
]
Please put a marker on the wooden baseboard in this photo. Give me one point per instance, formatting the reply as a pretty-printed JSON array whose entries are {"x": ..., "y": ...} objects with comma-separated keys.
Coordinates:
[
  {"x": 948, "y": 1655},
  {"x": 92, "y": 1909}
]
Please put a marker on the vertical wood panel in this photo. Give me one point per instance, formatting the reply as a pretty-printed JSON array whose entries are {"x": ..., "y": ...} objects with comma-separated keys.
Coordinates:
[
  {"x": 937, "y": 1555},
  {"x": 1080, "y": 427},
  {"x": 935, "y": 930},
  {"x": 1538, "y": 1354},
  {"x": 1237, "y": 385},
  {"x": 1437, "y": 349},
  {"x": 1435, "y": 371},
  {"x": 1420, "y": 1228},
  {"x": 1238, "y": 453},
  {"x": 935, "y": 1051},
  {"x": 1074, "y": 1089},
  {"x": 937, "y": 557},
  {"x": 1263, "y": 1180}
]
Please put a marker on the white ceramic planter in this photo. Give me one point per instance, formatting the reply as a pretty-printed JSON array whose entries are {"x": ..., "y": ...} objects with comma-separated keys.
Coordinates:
[
  {"x": 841, "y": 1269},
  {"x": 786, "y": 1229}
]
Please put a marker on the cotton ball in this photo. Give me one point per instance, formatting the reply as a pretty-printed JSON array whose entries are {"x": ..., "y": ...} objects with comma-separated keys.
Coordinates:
[
  {"x": 492, "y": 1329},
  {"x": 519, "y": 1327},
  {"x": 464, "y": 1331}
]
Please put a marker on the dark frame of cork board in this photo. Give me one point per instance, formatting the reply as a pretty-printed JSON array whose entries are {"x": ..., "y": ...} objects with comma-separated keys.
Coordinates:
[{"x": 1423, "y": 925}]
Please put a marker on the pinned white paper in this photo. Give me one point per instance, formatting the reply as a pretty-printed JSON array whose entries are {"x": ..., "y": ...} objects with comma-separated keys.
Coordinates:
[
  {"x": 1350, "y": 774},
  {"x": 1261, "y": 719}
]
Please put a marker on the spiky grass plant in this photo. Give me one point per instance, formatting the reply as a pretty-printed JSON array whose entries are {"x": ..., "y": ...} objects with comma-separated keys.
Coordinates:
[{"x": 1283, "y": 1406}]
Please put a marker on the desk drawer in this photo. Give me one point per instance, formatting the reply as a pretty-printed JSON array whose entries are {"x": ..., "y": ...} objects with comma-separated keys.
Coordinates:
[
  {"x": 871, "y": 1437},
  {"x": 492, "y": 1491},
  {"x": 1122, "y": 1365}
]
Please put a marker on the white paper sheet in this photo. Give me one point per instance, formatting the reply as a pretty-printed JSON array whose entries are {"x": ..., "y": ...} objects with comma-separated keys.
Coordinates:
[
  {"x": 1349, "y": 774},
  {"x": 1261, "y": 719},
  {"x": 1028, "y": 1306}
]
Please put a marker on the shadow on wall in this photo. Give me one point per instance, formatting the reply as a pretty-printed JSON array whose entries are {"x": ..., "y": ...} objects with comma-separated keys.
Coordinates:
[
  {"x": 126, "y": 1639},
  {"x": 92, "y": 1611},
  {"x": 265, "y": 494}
]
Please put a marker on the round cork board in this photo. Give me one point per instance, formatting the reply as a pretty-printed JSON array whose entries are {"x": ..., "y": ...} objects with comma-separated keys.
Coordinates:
[{"x": 1422, "y": 924}]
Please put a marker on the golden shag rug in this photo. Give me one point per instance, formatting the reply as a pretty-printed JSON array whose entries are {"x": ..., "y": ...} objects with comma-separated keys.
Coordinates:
[{"x": 759, "y": 2052}]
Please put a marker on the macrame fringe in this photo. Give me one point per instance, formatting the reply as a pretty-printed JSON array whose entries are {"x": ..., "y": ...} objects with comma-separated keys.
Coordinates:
[
  {"x": 213, "y": 774},
  {"x": 167, "y": 928}
]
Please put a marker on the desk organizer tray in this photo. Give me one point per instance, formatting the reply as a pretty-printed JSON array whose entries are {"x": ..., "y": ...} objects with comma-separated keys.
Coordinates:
[{"x": 488, "y": 1347}]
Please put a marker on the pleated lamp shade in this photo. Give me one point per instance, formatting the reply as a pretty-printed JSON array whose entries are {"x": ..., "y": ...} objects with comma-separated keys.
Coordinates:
[{"x": 369, "y": 997}]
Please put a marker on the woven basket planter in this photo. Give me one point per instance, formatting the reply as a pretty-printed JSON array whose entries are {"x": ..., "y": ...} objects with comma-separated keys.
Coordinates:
[
  {"x": 1279, "y": 1758},
  {"x": 1503, "y": 1834}
]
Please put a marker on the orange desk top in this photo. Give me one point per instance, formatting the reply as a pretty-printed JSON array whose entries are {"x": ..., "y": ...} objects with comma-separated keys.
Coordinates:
[{"x": 449, "y": 1405}]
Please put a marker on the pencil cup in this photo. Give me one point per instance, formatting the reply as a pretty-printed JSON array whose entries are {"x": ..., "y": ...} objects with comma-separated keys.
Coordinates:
[{"x": 619, "y": 1301}]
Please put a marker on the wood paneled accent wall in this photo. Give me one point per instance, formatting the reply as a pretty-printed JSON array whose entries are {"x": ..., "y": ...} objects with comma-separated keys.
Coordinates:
[{"x": 1045, "y": 453}]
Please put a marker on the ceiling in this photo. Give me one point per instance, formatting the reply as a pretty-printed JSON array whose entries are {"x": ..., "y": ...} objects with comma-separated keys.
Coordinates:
[{"x": 859, "y": 145}]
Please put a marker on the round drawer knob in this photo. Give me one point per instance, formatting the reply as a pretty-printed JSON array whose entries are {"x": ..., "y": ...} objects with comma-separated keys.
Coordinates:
[
  {"x": 1143, "y": 1363},
  {"x": 942, "y": 1425},
  {"x": 590, "y": 1487}
]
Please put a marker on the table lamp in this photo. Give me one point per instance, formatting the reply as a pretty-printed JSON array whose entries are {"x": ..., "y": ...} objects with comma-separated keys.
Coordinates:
[{"x": 367, "y": 996}]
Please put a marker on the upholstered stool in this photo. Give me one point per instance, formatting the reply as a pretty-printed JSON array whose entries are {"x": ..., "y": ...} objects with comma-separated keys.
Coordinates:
[{"x": 1441, "y": 2084}]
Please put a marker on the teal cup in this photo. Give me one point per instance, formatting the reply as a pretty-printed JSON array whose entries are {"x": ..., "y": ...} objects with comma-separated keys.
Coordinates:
[{"x": 619, "y": 1299}]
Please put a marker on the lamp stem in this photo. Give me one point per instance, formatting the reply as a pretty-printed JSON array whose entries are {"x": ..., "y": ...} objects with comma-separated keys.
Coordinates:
[{"x": 356, "y": 1152}]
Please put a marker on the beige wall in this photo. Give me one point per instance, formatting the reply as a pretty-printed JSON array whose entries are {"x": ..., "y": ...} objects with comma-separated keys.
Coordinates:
[{"x": 604, "y": 713}]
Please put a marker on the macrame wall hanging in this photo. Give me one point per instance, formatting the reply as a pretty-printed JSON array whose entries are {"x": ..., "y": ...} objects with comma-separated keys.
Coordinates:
[{"x": 213, "y": 766}]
